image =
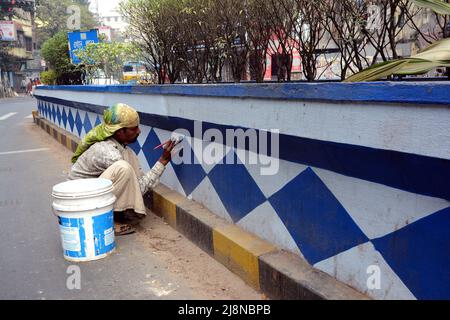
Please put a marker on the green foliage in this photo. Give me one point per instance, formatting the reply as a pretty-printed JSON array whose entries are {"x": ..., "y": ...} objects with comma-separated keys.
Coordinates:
[
  {"x": 55, "y": 51},
  {"x": 49, "y": 77},
  {"x": 107, "y": 57},
  {"x": 437, "y": 6},
  {"x": 52, "y": 17}
]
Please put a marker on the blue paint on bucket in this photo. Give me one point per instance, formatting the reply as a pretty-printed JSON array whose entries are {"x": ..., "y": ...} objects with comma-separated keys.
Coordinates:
[
  {"x": 85, "y": 210},
  {"x": 74, "y": 230},
  {"x": 104, "y": 233},
  {"x": 73, "y": 237}
]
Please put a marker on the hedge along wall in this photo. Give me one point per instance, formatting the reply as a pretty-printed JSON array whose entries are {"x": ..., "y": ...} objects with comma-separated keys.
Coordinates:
[{"x": 358, "y": 181}]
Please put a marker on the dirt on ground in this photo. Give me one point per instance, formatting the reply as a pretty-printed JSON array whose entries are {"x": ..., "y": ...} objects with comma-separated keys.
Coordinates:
[{"x": 206, "y": 276}]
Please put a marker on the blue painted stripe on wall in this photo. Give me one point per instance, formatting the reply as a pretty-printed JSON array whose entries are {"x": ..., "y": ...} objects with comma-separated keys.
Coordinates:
[
  {"x": 384, "y": 92},
  {"x": 91, "y": 88},
  {"x": 414, "y": 173}
]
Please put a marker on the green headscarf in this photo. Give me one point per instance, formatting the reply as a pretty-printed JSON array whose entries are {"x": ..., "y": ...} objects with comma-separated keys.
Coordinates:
[{"x": 117, "y": 117}]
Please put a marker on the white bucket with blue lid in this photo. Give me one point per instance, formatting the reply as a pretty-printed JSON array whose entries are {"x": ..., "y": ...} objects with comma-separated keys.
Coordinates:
[{"x": 86, "y": 218}]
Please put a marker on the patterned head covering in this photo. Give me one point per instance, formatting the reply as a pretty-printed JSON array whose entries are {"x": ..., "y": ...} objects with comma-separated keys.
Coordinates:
[{"x": 117, "y": 117}]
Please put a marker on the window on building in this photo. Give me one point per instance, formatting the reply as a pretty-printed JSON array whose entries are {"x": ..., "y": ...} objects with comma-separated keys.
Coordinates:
[
  {"x": 277, "y": 62},
  {"x": 28, "y": 44},
  {"x": 20, "y": 39}
]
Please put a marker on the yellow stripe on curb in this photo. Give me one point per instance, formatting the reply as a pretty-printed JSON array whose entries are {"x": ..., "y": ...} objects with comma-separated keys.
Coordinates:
[
  {"x": 165, "y": 203},
  {"x": 239, "y": 251},
  {"x": 69, "y": 143},
  {"x": 62, "y": 136}
]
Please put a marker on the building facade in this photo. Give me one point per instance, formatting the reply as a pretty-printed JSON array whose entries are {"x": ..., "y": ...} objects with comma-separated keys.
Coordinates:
[{"x": 19, "y": 62}]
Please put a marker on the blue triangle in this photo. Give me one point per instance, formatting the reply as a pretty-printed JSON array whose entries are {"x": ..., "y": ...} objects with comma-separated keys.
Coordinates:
[
  {"x": 235, "y": 187},
  {"x": 420, "y": 255},
  {"x": 316, "y": 220}
]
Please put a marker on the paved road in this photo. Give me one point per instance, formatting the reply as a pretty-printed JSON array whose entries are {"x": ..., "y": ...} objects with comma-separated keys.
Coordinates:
[{"x": 31, "y": 261}]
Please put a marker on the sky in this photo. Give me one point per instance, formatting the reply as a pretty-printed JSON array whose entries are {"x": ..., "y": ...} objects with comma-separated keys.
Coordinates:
[{"x": 104, "y": 6}]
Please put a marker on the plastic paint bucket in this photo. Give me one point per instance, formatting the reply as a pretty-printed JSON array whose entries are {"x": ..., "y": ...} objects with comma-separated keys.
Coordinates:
[{"x": 86, "y": 219}]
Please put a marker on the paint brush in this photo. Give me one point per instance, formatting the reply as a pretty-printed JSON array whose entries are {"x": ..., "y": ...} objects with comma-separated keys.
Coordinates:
[
  {"x": 162, "y": 144},
  {"x": 176, "y": 138}
]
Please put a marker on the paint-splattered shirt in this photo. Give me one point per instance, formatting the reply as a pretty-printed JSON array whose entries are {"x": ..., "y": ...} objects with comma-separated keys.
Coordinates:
[{"x": 101, "y": 155}]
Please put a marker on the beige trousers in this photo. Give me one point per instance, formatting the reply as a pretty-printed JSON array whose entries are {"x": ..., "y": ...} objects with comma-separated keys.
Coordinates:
[{"x": 124, "y": 176}]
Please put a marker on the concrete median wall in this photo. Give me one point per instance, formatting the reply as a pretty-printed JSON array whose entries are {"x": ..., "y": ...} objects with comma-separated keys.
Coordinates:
[{"x": 353, "y": 178}]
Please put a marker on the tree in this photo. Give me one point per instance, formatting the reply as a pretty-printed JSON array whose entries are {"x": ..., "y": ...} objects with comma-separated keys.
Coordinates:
[
  {"x": 108, "y": 57},
  {"x": 170, "y": 28},
  {"x": 346, "y": 19},
  {"x": 55, "y": 51},
  {"x": 203, "y": 42},
  {"x": 259, "y": 34},
  {"x": 282, "y": 19},
  {"x": 202, "y": 56},
  {"x": 435, "y": 55},
  {"x": 387, "y": 19},
  {"x": 231, "y": 23},
  {"x": 53, "y": 16},
  {"x": 157, "y": 31},
  {"x": 309, "y": 33},
  {"x": 438, "y": 26}
]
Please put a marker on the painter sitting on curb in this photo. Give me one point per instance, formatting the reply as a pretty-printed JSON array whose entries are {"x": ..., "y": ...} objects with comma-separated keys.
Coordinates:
[{"x": 103, "y": 153}]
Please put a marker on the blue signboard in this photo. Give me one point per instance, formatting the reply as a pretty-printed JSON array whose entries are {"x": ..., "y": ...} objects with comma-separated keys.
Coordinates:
[{"x": 79, "y": 40}]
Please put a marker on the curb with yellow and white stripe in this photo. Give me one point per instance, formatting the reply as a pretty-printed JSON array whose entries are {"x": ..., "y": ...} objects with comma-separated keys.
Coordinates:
[{"x": 278, "y": 274}]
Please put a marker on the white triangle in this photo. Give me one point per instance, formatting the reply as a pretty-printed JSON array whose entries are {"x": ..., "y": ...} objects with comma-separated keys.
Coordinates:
[
  {"x": 169, "y": 179},
  {"x": 378, "y": 209},
  {"x": 162, "y": 135},
  {"x": 351, "y": 267},
  {"x": 270, "y": 184},
  {"x": 207, "y": 196},
  {"x": 202, "y": 149},
  {"x": 265, "y": 223}
]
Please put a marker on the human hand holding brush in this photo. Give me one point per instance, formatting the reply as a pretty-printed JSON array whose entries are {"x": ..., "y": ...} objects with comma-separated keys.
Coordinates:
[{"x": 168, "y": 147}]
